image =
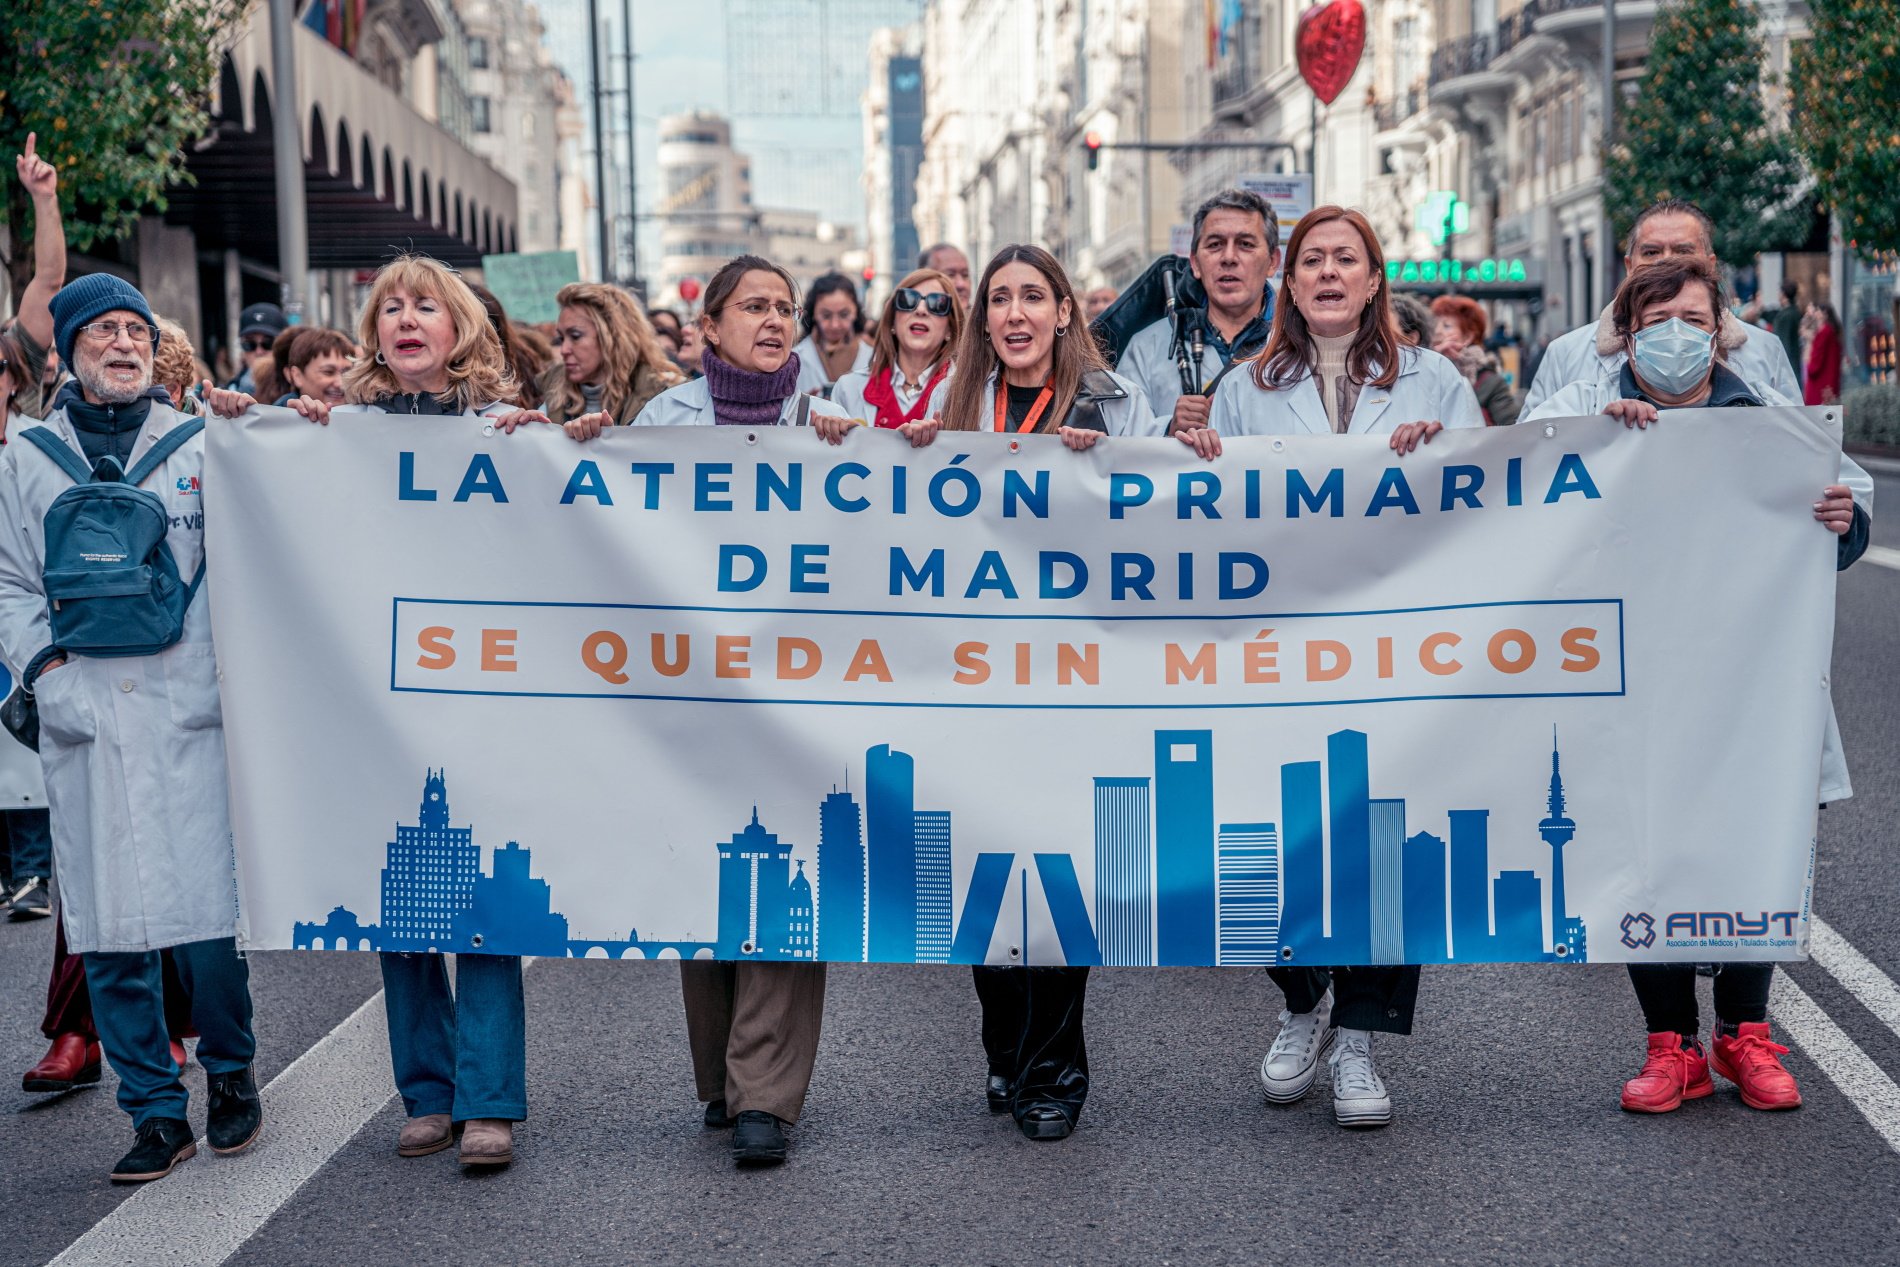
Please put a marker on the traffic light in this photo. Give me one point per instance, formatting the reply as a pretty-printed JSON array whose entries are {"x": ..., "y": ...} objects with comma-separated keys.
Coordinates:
[
  {"x": 870, "y": 274},
  {"x": 1092, "y": 142}
]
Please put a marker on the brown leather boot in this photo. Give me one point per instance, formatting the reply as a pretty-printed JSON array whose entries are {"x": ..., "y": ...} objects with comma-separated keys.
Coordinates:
[
  {"x": 430, "y": 1133},
  {"x": 487, "y": 1141}
]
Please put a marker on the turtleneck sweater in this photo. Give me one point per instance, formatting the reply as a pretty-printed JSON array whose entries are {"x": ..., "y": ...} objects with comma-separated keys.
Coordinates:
[{"x": 1337, "y": 392}]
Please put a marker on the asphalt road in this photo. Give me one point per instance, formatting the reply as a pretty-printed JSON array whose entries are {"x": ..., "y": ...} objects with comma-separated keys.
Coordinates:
[{"x": 1508, "y": 1146}]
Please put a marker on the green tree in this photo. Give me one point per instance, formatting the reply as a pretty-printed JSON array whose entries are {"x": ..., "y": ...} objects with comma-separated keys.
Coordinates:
[
  {"x": 116, "y": 89},
  {"x": 1847, "y": 115},
  {"x": 1698, "y": 129}
]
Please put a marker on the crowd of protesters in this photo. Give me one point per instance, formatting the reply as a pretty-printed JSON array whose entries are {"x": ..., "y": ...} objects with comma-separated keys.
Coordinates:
[{"x": 1328, "y": 350}]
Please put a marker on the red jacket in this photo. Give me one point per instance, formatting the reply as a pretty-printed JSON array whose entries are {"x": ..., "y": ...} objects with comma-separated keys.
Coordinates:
[{"x": 1824, "y": 368}]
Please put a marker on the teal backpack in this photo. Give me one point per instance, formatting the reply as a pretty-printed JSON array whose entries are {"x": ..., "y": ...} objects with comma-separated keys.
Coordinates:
[{"x": 112, "y": 587}]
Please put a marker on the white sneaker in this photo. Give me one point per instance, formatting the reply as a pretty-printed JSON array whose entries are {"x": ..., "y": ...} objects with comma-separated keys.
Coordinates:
[
  {"x": 1359, "y": 1094},
  {"x": 1290, "y": 1065}
]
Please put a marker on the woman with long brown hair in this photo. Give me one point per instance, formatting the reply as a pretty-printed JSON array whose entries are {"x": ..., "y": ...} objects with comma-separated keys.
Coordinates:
[
  {"x": 611, "y": 360},
  {"x": 1336, "y": 364},
  {"x": 1028, "y": 365},
  {"x": 911, "y": 355}
]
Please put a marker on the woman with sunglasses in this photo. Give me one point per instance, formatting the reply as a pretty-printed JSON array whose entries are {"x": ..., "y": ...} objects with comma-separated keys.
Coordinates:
[{"x": 909, "y": 375}]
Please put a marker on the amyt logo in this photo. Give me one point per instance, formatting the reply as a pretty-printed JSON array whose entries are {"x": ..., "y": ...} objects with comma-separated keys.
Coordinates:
[
  {"x": 1639, "y": 930},
  {"x": 188, "y": 486}
]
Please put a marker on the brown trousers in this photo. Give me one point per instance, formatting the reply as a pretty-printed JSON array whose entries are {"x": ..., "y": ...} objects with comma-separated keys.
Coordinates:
[{"x": 754, "y": 1032}]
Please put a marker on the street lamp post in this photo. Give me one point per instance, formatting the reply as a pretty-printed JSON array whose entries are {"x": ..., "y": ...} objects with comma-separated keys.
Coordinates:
[
  {"x": 293, "y": 243},
  {"x": 1606, "y": 230},
  {"x": 600, "y": 149},
  {"x": 633, "y": 200}
]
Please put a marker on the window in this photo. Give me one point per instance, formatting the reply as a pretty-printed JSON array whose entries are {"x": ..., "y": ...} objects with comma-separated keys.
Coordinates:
[
  {"x": 477, "y": 52},
  {"x": 478, "y": 114}
]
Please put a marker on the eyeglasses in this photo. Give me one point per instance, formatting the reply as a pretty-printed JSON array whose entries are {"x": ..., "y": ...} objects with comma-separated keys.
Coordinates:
[
  {"x": 759, "y": 307},
  {"x": 258, "y": 345},
  {"x": 107, "y": 331},
  {"x": 936, "y": 303}
]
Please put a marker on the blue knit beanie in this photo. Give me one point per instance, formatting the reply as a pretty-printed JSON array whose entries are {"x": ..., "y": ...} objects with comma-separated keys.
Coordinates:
[{"x": 86, "y": 298}]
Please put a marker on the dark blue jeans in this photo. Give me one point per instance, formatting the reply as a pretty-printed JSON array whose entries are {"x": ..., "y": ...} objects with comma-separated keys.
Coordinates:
[
  {"x": 464, "y": 1054},
  {"x": 128, "y": 1009},
  {"x": 30, "y": 842}
]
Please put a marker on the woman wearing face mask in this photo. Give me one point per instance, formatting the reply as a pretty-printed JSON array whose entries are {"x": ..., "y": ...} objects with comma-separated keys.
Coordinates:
[
  {"x": 460, "y": 1060},
  {"x": 831, "y": 347},
  {"x": 612, "y": 361},
  {"x": 1027, "y": 365},
  {"x": 318, "y": 359},
  {"x": 908, "y": 378},
  {"x": 753, "y": 1026},
  {"x": 1336, "y": 365},
  {"x": 1667, "y": 356}
]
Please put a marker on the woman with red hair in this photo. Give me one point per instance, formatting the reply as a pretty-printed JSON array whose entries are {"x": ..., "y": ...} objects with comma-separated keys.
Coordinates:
[{"x": 1458, "y": 334}]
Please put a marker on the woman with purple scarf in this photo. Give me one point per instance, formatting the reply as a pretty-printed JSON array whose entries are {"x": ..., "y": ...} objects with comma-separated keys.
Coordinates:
[
  {"x": 752, "y": 1026},
  {"x": 749, "y": 325}
]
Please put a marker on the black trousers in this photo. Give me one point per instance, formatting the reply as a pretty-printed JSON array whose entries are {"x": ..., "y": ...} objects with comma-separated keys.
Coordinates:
[
  {"x": 1377, "y": 997},
  {"x": 1667, "y": 994},
  {"x": 1032, "y": 1034}
]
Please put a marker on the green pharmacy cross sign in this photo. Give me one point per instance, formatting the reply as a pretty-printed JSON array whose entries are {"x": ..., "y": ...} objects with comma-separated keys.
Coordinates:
[
  {"x": 1428, "y": 272},
  {"x": 1442, "y": 215}
]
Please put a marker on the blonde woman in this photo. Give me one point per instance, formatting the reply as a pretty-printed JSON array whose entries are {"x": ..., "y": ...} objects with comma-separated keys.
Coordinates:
[
  {"x": 460, "y": 1061},
  {"x": 175, "y": 366},
  {"x": 916, "y": 341},
  {"x": 612, "y": 361}
]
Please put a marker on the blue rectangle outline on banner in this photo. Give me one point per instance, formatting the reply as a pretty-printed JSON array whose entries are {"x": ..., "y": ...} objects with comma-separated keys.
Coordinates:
[{"x": 395, "y": 621}]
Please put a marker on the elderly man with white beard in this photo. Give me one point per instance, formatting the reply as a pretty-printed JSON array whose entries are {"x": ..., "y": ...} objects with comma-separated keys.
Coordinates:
[{"x": 131, "y": 738}]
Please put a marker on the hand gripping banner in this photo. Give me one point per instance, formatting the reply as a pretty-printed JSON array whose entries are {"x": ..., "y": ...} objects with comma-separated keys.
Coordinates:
[{"x": 1550, "y": 692}]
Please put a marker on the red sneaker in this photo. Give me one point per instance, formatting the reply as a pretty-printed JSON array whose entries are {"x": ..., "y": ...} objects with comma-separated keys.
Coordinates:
[
  {"x": 70, "y": 1062},
  {"x": 1752, "y": 1061},
  {"x": 1673, "y": 1072}
]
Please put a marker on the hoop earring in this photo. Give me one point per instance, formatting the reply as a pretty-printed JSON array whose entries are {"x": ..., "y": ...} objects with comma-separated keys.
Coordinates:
[
  {"x": 1061, "y": 330},
  {"x": 379, "y": 357}
]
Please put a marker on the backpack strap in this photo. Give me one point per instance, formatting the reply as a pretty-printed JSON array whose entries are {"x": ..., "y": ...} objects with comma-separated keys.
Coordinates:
[
  {"x": 167, "y": 444},
  {"x": 62, "y": 453}
]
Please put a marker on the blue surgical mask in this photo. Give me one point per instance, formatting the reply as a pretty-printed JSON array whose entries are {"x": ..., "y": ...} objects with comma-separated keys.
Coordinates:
[{"x": 1673, "y": 357}]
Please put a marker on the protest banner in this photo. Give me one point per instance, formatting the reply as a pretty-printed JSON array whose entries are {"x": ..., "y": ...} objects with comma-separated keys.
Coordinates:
[
  {"x": 527, "y": 283},
  {"x": 1550, "y": 692}
]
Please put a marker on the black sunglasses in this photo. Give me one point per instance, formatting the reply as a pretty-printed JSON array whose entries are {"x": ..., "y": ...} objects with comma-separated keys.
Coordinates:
[
  {"x": 937, "y": 304},
  {"x": 258, "y": 345}
]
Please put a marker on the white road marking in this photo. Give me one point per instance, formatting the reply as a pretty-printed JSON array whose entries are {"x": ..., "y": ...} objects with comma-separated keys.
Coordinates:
[
  {"x": 206, "y": 1209},
  {"x": 1884, "y": 556},
  {"x": 1874, "y": 988},
  {"x": 1858, "y": 1078}
]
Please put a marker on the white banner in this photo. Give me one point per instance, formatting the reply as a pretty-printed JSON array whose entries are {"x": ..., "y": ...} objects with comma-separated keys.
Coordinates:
[{"x": 1550, "y": 692}]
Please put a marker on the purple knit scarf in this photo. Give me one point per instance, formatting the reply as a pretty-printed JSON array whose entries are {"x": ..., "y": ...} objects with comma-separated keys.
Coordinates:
[{"x": 747, "y": 398}]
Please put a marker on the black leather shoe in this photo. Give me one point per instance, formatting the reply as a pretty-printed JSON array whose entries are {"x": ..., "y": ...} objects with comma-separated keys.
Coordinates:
[
  {"x": 1045, "y": 1121},
  {"x": 236, "y": 1114},
  {"x": 758, "y": 1139},
  {"x": 997, "y": 1092},
  {"x": 717, "y": 1118},
  {"x": 160, "y": 1144}
]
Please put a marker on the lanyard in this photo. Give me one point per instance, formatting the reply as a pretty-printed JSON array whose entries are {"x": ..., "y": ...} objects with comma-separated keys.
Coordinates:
[{"x": 1035, "y": 411}]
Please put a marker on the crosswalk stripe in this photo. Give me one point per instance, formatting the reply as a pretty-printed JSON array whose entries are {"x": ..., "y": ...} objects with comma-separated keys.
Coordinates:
[
  {"x": 1855, "y": 971},
  {"x": 1885, "y": 556},
  {"x": 204, "y": 1211},
  {"x": 1849, "y": 1068}
]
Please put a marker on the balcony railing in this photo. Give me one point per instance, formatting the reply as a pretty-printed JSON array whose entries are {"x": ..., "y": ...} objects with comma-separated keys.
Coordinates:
[
  {"x": 1387, "y": 115},
  {"x": 1466, "y": 55}
]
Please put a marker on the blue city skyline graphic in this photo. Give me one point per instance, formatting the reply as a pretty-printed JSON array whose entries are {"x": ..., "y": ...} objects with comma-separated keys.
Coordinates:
[{"x": 1339, "y": 877}]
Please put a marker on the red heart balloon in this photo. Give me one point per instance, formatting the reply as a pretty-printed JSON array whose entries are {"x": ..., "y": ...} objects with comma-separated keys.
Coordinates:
[{"x": 1331, "y": 36}]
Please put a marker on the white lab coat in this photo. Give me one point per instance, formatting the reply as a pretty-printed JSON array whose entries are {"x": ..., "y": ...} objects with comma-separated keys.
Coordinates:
[
  {"x": 132, "y": 747},
  {"x": 1584, "y": 399},
  {"x": 690, "y": 405},
  {"x": 848, "y": 395},
  {"x": 811, "y": 366},
  {"x": 1129, "y": 416},
  {"x": 1429, "y": 389},
  {"x": 1755, "y": 355}
]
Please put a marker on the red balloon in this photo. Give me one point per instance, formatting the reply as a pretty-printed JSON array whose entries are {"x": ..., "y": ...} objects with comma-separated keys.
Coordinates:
[
  {"x": 1330, "y": 39},
  {"x": 689, "y": 287}
]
